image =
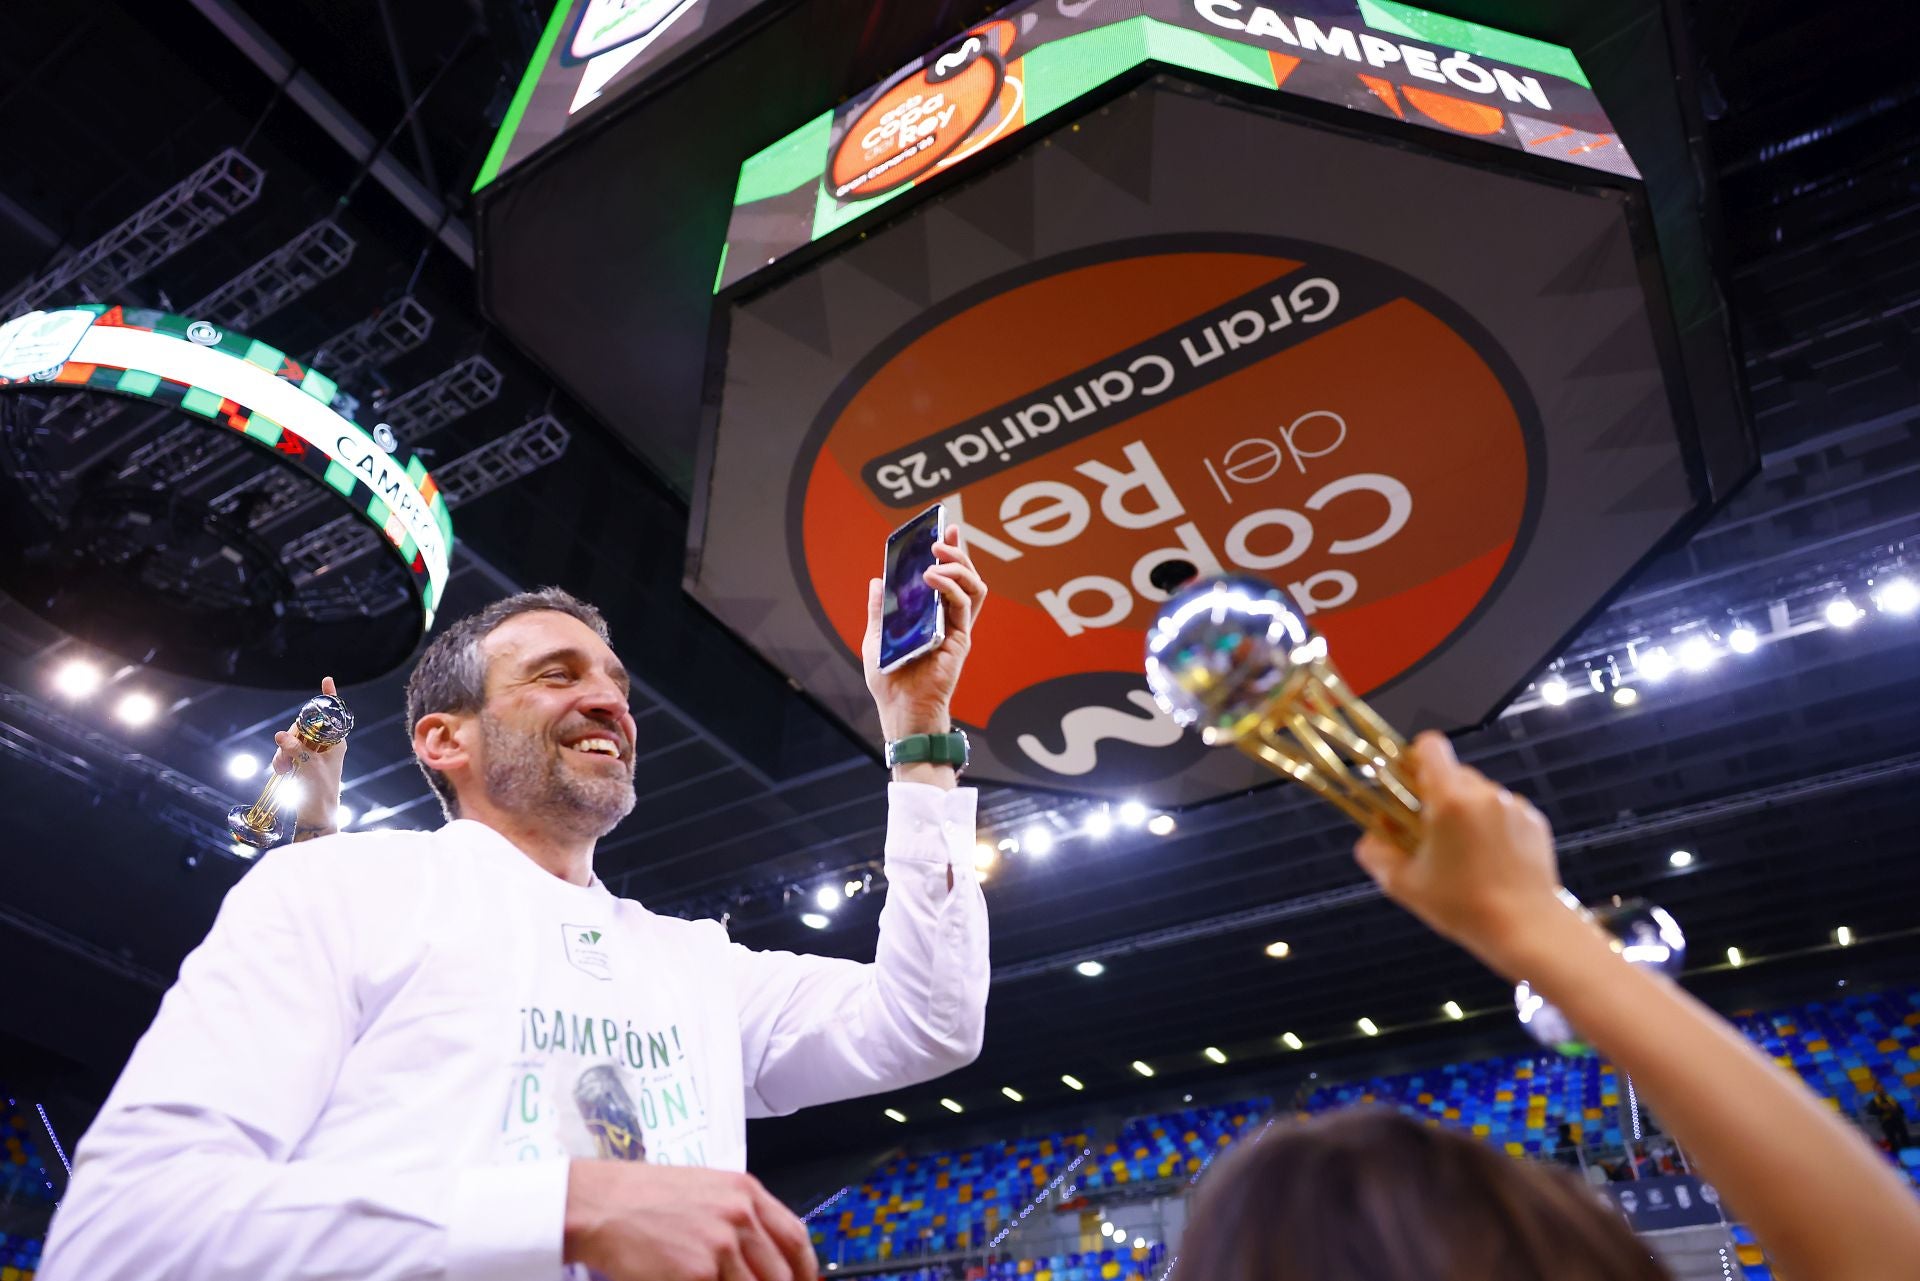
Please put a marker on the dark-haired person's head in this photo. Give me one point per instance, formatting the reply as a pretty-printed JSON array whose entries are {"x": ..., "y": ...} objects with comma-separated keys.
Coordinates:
[
  {"x": 1372, "y": 1195},
  {"x": 521, "y": 709}
]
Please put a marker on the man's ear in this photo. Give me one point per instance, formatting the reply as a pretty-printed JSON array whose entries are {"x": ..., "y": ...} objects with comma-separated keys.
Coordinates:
[{"x": 440, "y": 741}]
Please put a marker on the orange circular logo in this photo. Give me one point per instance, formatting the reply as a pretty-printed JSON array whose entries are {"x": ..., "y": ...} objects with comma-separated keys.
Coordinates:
[
  {"x": 912, "y": 124},
  {"x": 1248, "y": 404}
]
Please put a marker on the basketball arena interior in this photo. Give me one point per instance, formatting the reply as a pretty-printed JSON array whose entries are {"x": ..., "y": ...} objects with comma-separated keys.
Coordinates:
[{"x": 1561, "y": 360}]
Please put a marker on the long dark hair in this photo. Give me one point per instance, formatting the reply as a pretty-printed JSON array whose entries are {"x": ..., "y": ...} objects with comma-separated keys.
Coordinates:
[{"x": 1372, "y": 1195}]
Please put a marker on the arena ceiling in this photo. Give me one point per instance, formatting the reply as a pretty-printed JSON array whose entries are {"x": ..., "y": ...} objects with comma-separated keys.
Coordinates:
[{"x": 1789, "y": 773}]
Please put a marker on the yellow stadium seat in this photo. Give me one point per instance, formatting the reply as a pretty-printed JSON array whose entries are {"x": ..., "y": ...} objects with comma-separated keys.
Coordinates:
[
  {"x": 1817, "y": 1046},
  {"x": 1515, "y": 1149},
  {"x": 1482, "y": 1130},
  {"x": 1424, "y": 1097},
  {"x": 1452, "y": 1114},
  {"x": 1109, "y": 1270},
  {"x": 1503, "y": 1096},
  {"x": 1751, "y": 1256},
  {"x": 1887, "y": 1046}
]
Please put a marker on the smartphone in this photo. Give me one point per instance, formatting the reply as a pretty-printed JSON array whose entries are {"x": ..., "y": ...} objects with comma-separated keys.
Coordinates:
[{"x": 912, "y": 621}]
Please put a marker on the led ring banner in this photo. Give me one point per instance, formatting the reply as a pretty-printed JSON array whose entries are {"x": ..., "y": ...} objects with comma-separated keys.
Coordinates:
[{"x": 238, "y": 382}]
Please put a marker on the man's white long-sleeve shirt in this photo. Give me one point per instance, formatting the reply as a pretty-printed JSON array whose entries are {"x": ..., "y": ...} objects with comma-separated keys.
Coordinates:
[{"x": 382, "y": 1057}]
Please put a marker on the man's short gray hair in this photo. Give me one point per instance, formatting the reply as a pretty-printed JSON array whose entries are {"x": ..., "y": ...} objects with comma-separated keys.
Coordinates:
[{"x": 452, "y": 675}]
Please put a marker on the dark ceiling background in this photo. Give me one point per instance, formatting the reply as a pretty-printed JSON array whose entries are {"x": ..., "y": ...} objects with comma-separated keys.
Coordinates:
[{"x": 1790, "y": 773}]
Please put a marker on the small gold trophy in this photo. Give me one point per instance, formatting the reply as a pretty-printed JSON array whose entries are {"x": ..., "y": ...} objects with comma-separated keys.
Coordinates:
[
  {"x": 323, "y": 722},
  {"x": 1234, "y": 657}
]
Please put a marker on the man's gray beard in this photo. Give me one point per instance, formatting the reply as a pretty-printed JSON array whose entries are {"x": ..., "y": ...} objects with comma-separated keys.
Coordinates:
[{"x": 525, "y": 775}]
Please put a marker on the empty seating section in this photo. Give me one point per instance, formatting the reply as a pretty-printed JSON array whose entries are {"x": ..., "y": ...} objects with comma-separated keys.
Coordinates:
[
  {"x": 24, "y": 1153},
  {"x": 1842, "y": 1048},
  {"x": 1144, "y": 1264},
  {"x": 1171, "y": 1144},
  {"x": 1517, "y": 1104},
  {"x": 19, "y": 1257},
  {"x": 941, "y": 1203}
]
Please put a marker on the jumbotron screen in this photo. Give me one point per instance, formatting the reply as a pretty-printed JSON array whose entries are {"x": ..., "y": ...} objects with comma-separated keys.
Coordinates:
[{"x": 1034, "y": 57}]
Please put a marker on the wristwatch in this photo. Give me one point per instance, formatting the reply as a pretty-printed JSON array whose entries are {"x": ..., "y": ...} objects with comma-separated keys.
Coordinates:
[{"x": 935, "y": 749}]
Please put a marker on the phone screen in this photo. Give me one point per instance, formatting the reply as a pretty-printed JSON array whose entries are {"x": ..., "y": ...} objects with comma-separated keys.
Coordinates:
[{"x": 910, "y": 619}]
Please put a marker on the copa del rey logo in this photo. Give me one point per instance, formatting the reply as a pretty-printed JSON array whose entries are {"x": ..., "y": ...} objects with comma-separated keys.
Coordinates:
[{"x": 584, "y": 952}]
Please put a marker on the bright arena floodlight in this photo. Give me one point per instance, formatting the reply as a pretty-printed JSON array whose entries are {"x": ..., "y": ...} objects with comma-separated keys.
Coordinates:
[
  {"x": 1037, "y": 841},
  {"x": 1553, "y": 691},
  {"x": 1842, "y": 612},
  {"x": 814, "y": 920},
  {"x": 1696, "y": 653},
  {"x": 243, "y": 766},
  {"x": 1655, "y": 664},
  {"x": 137, "y": 709},
  {"x": 828, "y": 897},
  {"x": 1161, "y": 825},
  {"x": 1899, "y": 596},
  {"x": 1367, "y": 1025},
  {"x": 1098, "y": 824},
  {"x": 77, "y": 678},
  {"x": 1289, "y": 1040},
  {"x": 1133, "y": 813},
  {"x": 1681, "y": 858},
  {"x": 1743, "y": 640},
  {"x": 1090, "y": 969}
]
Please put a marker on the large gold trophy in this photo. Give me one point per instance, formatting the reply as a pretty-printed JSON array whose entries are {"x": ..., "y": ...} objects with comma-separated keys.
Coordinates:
[
  {"x": 1234, "y": 659},
  {"x": 323, "y": 723}
]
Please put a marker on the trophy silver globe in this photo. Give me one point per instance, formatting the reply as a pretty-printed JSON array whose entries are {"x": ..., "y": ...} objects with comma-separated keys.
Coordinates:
[
  {"x": 1234, "y": 659},
  {"x": 323, "y": 722}
]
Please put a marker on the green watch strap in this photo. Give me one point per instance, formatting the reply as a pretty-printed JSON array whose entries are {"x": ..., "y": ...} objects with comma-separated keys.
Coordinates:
[{"x": 934, "y": 749}]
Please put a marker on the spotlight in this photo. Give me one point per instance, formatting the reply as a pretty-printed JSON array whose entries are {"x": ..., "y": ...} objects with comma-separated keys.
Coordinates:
[
  {"x": 984, "y": 857},
  {"x": 1213, "y": 1053},
  {"x": 1899, "y": 596},
  {"x": 77, "y": 678},
  {"x": 852, "y": 888},
  {"x": 1013, "y": 1094},
  {"x": 951, "y": 1106},
  {"x": 1743, "y": 640},
  {"x": 1161, "y": 825},
  {"x": 1842, "y": 612},
  {"x": 895, "y": 1114},
  {"x": 814, "y": 921},
  {"x": 137, "y": 709},
  {"x": 1289, "y": 1040},
  {"x": 1090, "y": 969},
  {"x": 1278, "y": 950},
  {"x": 1133, "y": 813},
  {"x": 343, "y": 817},
  {"x": 1625, "y": 696},
  {"x": 1734, "y": 958},
  {"x": 1106, "y": 1229},
  {"x": 243, "y": 766},
  {"x": 1367, "y": 1025},
  {"x": 1655, "y": 664},
  {"x": 1144, "y": 1069},
  {"x": 1098, "y": 824},
  {"x": 1139, "y": 1243},
  {"x": 1553, "y": 691},
  {"x": 1037, "y": 841},
  {"x": 1453, "y": 1011},
  {"x": 828, "y": 897},
  {"x": 292, "y": 792},
  {"x": 1071, "y": 1082},
  {"x": 1843, "y": 936},
  {"x": 1681, "y": 858},
  {"x": 1696, "y": 653}
]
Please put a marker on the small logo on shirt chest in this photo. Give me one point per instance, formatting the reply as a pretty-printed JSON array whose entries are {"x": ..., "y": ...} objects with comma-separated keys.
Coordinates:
[{"x": 584, "y": 951}]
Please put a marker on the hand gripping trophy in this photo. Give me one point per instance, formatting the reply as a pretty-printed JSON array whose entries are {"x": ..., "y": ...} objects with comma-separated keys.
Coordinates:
[
  {"x": 1234, "y": 658},
  {"x": 323, "y": 723}
]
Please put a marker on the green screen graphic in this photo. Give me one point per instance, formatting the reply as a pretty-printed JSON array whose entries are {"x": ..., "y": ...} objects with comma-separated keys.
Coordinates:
[{"x": 1029, "y": 60}]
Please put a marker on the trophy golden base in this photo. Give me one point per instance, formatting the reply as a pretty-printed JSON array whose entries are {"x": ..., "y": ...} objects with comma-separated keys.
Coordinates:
[{"x": 1318, "y": 732}]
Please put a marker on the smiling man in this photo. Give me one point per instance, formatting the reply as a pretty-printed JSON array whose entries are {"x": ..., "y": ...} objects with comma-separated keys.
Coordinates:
[{"x": 456, "y": 1054}]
